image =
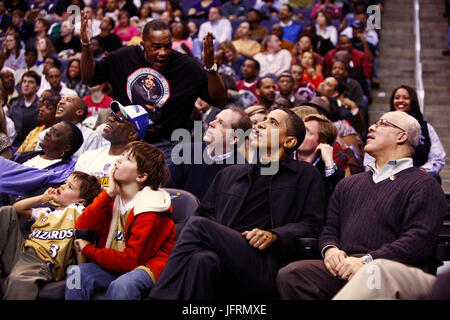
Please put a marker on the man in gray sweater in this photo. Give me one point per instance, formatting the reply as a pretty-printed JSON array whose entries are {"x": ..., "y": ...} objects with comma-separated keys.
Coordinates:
[{"x": 394, "y": 211}]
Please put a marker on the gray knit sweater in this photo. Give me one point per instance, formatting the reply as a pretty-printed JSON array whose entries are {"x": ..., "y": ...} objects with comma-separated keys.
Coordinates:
[{"x": 397, "y": 219}]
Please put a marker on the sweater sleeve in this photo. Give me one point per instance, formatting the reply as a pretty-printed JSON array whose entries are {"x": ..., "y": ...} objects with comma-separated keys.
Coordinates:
[
  {"x": 145, "y": 239},
  {"x": 330, "y": 232},
  {"x": 95, "y": 215},
  {"x": 420, "y": 225}
]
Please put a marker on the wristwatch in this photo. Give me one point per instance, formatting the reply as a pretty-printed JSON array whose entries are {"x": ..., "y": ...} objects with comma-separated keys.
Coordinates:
[
  {"x": 212, "y": 69},
  {"x": 329, "y": 170},
  {"x": 367, "y": 258}
]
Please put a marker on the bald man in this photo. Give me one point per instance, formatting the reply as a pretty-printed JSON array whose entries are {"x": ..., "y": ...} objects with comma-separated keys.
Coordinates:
[
  {"x": 393, "y": 212},
  {"x": 72, "y": 109}
]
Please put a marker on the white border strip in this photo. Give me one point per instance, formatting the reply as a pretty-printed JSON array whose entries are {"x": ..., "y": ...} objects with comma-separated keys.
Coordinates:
[{"x": 418, "y": 65}]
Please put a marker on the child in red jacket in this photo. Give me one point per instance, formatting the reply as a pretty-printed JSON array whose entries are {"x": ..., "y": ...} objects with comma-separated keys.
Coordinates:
[{"x": 136, "y": 231}]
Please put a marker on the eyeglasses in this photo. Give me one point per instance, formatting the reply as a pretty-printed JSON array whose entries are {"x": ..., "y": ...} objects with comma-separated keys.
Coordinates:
[
  {"x": 387, "y": 123},
  {"x": 117, "y": 117}
]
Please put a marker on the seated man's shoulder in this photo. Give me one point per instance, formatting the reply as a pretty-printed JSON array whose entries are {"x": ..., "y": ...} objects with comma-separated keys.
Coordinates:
[
  {"x": 301, "y": 166},
  {"x": 233, "y": 172},
  {"x": 423, "y": 180}
]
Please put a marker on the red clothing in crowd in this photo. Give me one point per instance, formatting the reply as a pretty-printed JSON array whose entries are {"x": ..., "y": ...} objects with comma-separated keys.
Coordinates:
[
  {"x": 149, "y": 234},
  {"x": 240, "y": 85},
  {"x": 359, "y": 58},
  {"x": 314, "y": 81},
  {"x": 94, "y": 108}
]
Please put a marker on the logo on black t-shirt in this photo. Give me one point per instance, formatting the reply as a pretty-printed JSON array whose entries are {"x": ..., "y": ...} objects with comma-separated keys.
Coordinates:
[{"x": 148, "y": 88}]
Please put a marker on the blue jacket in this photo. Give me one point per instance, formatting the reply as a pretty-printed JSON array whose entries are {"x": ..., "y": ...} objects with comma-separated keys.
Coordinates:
[{"x": 17, "y": 179}]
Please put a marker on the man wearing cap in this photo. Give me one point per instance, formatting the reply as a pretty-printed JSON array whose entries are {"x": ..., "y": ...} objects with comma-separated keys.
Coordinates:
[
  {"x": 394, "y": 212},
  {"x": 285, "y": 85},
  {"x": 179, "y": 79},
  {"x": 125, "y": 124},
  {"x": 361, "y": 39}
]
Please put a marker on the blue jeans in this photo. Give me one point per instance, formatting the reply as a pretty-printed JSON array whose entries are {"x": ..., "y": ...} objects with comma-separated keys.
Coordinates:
[{"x": 132, "y": 285}]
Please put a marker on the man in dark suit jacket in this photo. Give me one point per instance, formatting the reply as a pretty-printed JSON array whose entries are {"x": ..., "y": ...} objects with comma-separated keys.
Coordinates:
[
  {"x": 219, "y": 150},
  {"x": 145, "y": 93},
  {"x": 248, "y": 223}
]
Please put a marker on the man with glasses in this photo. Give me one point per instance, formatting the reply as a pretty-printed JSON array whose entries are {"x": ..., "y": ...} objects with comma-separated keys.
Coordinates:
[
  {"x": 125, "y": 124},
  {"x": 392, "y": 212}
]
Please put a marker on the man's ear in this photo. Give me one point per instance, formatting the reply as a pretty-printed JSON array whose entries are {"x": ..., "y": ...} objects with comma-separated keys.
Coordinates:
[
  {"x": 289, "y": 142},
  {"x": 403, "y": 138},
  {"x": 234, "y": 140},
  {"x": 79, "y": 112},
  {"x": 133, "y": 135},
  {"x": 67, "y": 148},
  {"x": 82, "y": 202}
]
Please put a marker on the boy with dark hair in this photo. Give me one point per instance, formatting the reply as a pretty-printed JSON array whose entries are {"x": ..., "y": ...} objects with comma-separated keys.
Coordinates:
[
  {"x": 48, "y": 251},
  {"x": 137, "y": 234}
]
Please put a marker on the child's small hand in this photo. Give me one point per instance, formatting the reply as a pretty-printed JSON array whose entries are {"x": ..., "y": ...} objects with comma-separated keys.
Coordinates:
[
  {"x": 49, "y": 194},
  {"x": 113, "y": 185},
  {"x": 80, "y": 244}
]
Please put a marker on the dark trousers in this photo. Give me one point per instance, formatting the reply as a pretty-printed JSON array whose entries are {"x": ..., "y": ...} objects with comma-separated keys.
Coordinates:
[
  {"x": 307, "y": 280},
  {"x": 209, "y": 259}
]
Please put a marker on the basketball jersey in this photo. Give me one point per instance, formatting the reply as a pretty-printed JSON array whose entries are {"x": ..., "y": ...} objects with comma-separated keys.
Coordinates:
[{"x": 52, "y": 237}]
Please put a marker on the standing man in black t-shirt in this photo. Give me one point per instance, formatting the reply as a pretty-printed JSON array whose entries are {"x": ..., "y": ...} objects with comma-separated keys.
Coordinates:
[{"x": 178, "y": 79}]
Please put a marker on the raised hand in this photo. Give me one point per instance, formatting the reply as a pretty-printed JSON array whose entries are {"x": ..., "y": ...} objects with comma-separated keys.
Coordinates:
[
  {"x": 208, "y": 51},
  {"x": 49, "y": 194},
  {"x": 113, "y": 185},
  {"x": 86, "y": 28}
]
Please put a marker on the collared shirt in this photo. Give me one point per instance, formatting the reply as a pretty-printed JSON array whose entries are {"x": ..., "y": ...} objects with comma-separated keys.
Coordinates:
[
  {"x": 220, "y": 157},
  {"x": 390, "y": 168},
  {"x": 221, "y": 30}
]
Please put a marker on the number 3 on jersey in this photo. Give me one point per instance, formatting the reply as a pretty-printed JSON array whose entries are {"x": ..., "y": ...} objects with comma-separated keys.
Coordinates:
[{"x": 53, "y": 251}]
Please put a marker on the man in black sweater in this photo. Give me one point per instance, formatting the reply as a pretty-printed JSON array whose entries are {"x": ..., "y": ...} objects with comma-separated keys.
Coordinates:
[
  {"x": 249, "y": 221},
  {"x": 200, "y": 162},
  {"x": 392, "y": 212}
]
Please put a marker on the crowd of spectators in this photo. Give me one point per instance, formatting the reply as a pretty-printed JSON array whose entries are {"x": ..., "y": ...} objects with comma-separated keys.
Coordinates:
[{"x": 66, "y": 84}]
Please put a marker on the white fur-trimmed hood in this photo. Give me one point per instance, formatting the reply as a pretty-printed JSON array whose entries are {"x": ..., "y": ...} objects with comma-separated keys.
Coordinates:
[{"x": 152, "y": 201}]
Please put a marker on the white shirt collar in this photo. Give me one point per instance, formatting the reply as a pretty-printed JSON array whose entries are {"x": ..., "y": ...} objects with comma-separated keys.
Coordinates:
[
  {"x": 389, "y": 170},
  {"x": 220, "y": 157},
  {"x": 287, "y": 24}
]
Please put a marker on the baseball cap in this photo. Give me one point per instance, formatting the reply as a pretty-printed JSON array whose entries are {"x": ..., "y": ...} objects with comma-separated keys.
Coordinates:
[{"x": 136, "y": 114}]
